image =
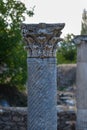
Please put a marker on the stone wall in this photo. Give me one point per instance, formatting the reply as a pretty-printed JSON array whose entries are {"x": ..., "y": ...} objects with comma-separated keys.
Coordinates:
[
  {"x": 66, "y": 75},
  {"x": 15, "y": 118},
  {"x": 66, "y": 120}
]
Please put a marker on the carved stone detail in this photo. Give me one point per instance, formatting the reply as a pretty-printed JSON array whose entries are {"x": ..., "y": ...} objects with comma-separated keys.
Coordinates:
[
  {"x": 41, "y": 39},
  {"x": 79, "y": 39},
  {"x": 81, "y": 42}
]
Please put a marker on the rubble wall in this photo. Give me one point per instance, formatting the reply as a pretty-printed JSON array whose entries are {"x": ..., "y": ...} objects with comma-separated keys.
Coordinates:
[
  {"x": 15, "y": 118},
  {"x": 66, "y": 75}
]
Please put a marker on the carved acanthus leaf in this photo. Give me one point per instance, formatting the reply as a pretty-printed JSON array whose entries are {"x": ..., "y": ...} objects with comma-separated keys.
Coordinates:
[{"x": 42, "y": 38}]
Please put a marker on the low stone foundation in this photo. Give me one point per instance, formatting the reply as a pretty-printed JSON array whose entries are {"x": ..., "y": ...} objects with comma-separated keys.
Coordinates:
[
  {"x": 12, "y": 118},
  {"x": 66, "y": 120},
  {"x": 15, "y": 118}
]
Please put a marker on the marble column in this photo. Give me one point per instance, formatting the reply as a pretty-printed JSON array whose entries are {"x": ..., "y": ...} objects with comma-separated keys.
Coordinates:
[
  {"x": 41, "y": 41},
  {"x": 81, "y": 42}
]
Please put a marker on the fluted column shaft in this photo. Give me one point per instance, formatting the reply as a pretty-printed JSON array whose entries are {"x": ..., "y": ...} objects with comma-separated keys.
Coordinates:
[
  {"x": 41, "y": 42},
  {"x": 81, "y": 92}
]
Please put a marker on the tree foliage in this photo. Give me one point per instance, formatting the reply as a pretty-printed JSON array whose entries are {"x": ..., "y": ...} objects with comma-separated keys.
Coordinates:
[
  {"x": 67, "y": 50},
  {"x": 84, "y": 22},
  {"x": 12, "y": 54}
]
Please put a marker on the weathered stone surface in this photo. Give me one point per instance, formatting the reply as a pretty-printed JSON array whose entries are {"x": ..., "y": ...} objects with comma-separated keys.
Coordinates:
[
  {"x": 82, "y": 85},
  {"x": 42, "y": 94},
  {"x": 80, "y": 39},
  {"x": 66, "y": 120},
  {"x": 12, "y": 118},
  {"x": 81, "y": 42},
  {"x": 66, "y": 75},
  {"x": 42, "y": 39},
  {"x": 81, "y": 119}
]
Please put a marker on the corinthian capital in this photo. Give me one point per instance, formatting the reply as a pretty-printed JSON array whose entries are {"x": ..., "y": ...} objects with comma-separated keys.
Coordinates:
[
  {"x": 41, "y": 39},
  {"x": 79, "y": 39}
]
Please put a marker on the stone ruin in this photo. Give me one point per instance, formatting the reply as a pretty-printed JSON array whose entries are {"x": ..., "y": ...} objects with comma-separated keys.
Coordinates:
[
  {"x": 81, "y": 81},
  {"x": 41, "y": 42}
]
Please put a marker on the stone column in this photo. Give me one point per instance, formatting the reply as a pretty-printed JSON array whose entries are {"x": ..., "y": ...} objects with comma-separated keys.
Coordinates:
[
  {"x": 81, "y": 93},
  {"x": 41, "y": 41}
]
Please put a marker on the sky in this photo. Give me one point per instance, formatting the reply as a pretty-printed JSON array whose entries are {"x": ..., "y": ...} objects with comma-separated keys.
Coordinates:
[{"x": 58, "y": 11}]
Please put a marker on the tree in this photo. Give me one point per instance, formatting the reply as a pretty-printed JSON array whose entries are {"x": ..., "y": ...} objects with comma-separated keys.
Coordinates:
[
  {"x": 12, "y": 54},
  {"x": 67, "y": 50},
  {"x": 84, "y": 22}
]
